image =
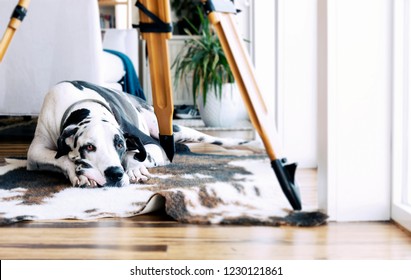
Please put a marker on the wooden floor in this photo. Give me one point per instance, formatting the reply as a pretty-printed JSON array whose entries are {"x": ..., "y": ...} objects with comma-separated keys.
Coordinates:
[{"x": 156, "y": 236}]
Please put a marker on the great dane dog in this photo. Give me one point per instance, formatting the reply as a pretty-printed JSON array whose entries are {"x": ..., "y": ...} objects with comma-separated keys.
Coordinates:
[{"x": 100, "y": 137}]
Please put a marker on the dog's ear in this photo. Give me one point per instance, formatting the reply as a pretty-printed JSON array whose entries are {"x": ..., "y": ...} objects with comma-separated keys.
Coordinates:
[
  {"x": 63, "y": 141},
  {"x": 134, "y": 143}
]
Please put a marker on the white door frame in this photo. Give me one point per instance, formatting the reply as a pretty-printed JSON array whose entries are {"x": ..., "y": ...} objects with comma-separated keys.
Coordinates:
[{"x": 401, "y": 211}]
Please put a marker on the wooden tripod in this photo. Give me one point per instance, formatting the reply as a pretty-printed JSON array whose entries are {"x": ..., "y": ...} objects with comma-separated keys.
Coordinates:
[{"x": 156, "y": 30}]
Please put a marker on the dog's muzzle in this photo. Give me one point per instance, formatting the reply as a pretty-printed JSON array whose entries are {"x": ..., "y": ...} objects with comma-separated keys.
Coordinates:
[{"x": 114, "y": 175}]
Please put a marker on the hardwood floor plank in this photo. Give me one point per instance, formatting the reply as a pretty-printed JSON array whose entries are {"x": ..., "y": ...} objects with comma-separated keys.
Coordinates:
[
  {"x": 12, "y": 150},
  {"x": 157, "y": 236},
  {"x": 121, "y": 241}
]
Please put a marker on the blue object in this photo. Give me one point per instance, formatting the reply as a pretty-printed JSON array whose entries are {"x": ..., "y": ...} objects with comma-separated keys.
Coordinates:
[{"x": 131, "y": 84}]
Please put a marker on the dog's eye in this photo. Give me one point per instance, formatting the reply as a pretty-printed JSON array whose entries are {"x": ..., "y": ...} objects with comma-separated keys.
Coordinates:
[
  {"x": 120, "y": 146},
  {"x": 90, "y": 148}
]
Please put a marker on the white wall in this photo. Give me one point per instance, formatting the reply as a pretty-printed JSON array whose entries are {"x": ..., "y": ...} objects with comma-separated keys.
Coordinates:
[
  {"x": 326, "y": 65},
  {"x": 285, "y": 43},
  {"x": 264, "y": 55},
  {"x": 355, "y": 93}
]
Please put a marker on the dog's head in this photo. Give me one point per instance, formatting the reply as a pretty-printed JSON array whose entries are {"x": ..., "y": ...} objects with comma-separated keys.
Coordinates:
[{"x": 97, "y": 147}]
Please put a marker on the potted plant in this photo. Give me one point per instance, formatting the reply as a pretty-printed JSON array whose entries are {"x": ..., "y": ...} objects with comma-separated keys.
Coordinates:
[
  {"x": 183, "y": 10},
  {"x": 203, "y": 60}
]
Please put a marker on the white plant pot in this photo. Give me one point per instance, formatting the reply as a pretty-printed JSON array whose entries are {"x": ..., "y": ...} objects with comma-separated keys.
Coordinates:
[{"x": 225, "y": 112}]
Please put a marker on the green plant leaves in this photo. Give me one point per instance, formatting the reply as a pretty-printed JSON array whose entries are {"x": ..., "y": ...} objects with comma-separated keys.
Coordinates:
[{"x": 204, "y": 58}]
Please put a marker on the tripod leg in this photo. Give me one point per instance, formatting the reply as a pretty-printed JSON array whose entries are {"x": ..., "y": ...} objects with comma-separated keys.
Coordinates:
[
  {"x": 243, "y": 71},
  {"x": 158, "y": 55},
  {"x": 15, "y": 21}
]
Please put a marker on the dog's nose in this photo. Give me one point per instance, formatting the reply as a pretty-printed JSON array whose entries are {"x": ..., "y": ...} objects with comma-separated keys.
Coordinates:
[{"x": 114, "y": 173}]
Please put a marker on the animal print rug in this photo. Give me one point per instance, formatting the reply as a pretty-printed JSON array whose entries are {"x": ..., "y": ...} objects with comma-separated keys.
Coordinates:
[{"x": 201, "y": 189}]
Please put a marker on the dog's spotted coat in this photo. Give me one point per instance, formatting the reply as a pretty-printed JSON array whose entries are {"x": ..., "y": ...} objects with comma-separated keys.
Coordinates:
[{"x": 100, "y": 137}]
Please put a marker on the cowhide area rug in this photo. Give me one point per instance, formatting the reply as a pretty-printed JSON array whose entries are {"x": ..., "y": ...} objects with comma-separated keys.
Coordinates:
[{"x": 201, "y": 189}]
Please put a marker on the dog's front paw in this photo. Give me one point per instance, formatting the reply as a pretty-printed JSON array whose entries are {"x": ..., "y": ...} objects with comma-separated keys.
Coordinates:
[
  {"x": 138, "y": 174},
  {"x": 82, "y": 181},
  {"x": 76, "y": 179}
]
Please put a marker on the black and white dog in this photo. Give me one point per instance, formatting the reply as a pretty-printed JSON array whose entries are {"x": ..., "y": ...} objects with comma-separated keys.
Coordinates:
[{"x": 100, "y": 137}]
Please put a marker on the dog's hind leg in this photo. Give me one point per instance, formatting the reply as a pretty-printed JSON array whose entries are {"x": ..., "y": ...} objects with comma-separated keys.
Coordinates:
[{"x": 183, "y": 134}]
